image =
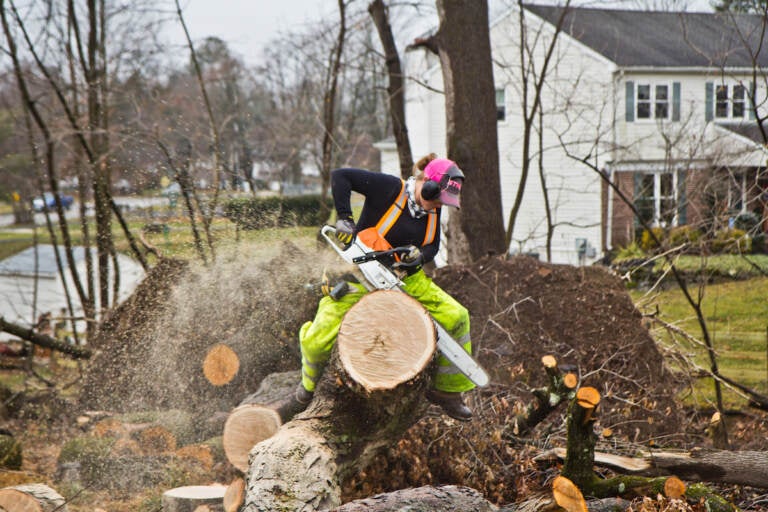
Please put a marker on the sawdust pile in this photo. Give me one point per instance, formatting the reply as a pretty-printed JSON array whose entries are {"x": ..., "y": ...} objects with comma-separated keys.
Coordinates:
[{"x": 153, "y": 347}]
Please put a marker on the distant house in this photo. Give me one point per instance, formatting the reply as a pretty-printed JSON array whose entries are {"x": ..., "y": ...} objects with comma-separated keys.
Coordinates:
[
  {"x": 661, "y": 103},
  {"x": 34, "y": 273}
]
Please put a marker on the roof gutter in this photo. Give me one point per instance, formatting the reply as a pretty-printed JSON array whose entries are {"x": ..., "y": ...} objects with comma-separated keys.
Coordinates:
[{"x": 689, "y": 69}]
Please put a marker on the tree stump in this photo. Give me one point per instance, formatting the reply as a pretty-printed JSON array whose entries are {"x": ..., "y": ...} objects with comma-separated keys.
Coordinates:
[
  {"x": 32, "y": 498},
  {"x": 361, "y": 406},
  {"x": 193, "y": 498}
]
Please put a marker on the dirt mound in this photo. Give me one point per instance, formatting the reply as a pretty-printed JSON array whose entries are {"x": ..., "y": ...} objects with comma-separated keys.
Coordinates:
[{"x": 521, "y": 310}]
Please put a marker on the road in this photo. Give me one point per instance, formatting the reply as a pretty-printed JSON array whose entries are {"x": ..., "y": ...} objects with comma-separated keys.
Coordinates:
[{"x": 124, "y": 202}]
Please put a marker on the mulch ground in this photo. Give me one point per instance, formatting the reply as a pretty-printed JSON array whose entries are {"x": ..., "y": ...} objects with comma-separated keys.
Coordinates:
[{"x": 150, "y": 350}]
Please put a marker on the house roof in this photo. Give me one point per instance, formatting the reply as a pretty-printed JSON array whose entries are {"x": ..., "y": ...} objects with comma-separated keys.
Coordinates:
[
  {"x": 23, "y": 263},
  {"x": 750, "y": 131},
  {"x": 664, "y": 39}
]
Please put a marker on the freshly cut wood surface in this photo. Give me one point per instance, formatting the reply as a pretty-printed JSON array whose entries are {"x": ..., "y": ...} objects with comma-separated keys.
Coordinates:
[
  {"x": 31, "y": 498},
  {"x": 234, "y": 495},
  {"x": 193, "y": 498},
  {"x": 387, "y": 338},
  {"x": 246, "y": 426},
  {"x": 221, "y": 364}
]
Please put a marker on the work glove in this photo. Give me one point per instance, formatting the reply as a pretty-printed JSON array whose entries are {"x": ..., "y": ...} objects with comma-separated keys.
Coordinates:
[
  {"x": 413, "y": 258},
  {"x": 345, "y": 231}
]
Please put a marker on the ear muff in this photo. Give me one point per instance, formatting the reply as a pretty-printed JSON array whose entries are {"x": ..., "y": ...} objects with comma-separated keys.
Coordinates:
[{"x": 430, "y": 190}]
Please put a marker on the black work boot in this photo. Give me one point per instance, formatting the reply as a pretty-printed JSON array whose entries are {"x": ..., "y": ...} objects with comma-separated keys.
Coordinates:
[
  {"x": 452, "y": 404},
  {"x": 302, "y": 395}
]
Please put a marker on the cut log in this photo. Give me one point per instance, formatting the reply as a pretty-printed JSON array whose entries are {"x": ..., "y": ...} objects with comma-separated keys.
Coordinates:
[
  {"x": 348, "y": 422},
  {"x": 387, "y": 338},
  {"x": 220, "y": 365},
  {"x": 716, "y": 466},
  {"x": 567, "y": 495},
  {"x": 194, "y": 498},
  {"x": 259, "y": 416},
  {"x": 234, "y": 495},
  {"x": 32, "y": 498},
  {"x": 446, "y": 498}
]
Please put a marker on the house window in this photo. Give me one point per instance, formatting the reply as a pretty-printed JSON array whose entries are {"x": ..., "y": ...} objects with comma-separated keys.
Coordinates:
[
  {"x": 501, "y": 105},
  {"x": 656, "y": 198},
  {"x": 652, "y": 101},
  {"x": 730, "y": 101}
]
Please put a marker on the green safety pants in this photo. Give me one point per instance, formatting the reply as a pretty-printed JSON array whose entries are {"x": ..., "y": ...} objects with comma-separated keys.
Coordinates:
[{"x": 318, "y": 336}]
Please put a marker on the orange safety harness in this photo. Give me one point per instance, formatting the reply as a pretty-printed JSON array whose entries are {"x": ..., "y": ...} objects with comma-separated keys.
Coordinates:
[{"x": 373, "y": 237}]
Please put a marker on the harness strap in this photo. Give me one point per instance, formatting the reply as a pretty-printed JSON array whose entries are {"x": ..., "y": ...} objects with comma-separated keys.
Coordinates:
[{"x": 393, "y": 213}]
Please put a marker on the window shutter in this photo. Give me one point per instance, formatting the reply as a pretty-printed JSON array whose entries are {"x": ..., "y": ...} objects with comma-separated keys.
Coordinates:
[
  {"x": 638, "y": 181},
  {"x": 675, "y": 101},
  {"x": 709, "y": 107},
  {"x": 682, "y": 203},
  {"x": 630, "y": 101},
  {"x": 752, "y": 100}
]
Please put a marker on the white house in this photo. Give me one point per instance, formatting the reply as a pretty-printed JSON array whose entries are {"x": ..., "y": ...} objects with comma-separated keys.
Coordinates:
[
  {"x": 33, "y": 273},
  {"x": 658, "y": 102}
]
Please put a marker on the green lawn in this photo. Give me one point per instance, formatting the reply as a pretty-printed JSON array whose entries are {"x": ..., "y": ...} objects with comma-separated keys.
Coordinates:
[{"x": 736, "y": 314}]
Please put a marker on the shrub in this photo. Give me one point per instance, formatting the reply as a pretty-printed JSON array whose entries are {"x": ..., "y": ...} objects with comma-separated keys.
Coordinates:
[
  {"x": 277, "y": 212},
  {"x": 684, "y": 235},
  {"x": 630, "y": 252},
  {"x": 647, "y": 243},
  {"x": 731, "y": 241}
]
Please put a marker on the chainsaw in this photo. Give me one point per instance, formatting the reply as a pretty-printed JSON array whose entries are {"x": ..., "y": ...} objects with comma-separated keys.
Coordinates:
[{"x": 380, "y": 277}]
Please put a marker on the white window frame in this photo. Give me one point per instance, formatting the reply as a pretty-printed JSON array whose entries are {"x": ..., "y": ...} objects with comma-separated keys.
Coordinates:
[
  {"x": 652, "y": 101},
  {"x": 657, "y": 198},
  {"x": 737, "y": 192},
  {"x": 730, "y": 102}
]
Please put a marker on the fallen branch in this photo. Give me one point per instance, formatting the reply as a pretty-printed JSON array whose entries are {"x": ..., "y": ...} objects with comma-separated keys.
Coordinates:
[{"x": 44, "y": 341}]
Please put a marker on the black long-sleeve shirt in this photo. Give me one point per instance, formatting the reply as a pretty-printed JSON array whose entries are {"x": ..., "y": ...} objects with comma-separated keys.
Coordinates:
[{"x": 380, "y": 191}]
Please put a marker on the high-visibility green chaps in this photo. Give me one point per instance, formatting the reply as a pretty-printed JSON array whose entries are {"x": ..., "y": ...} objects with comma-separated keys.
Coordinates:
[{"x": 318, "y": 336}]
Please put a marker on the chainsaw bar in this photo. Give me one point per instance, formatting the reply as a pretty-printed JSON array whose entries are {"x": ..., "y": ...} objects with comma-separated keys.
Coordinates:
[{"x": 379, "y": 277}]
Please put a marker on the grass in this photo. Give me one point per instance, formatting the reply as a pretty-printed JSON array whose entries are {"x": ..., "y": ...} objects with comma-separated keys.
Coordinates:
[{"x": 736, "y": 313}]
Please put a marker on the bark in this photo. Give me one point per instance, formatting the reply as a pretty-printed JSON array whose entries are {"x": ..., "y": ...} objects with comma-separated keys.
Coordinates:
[
  {"x": 302, "y": 466},
  {"x": 717, "y": 466},
  {"x": 464, "y": 50},
  {"x": 395, "y": 88},
  {"x": 33, "y": 498},
  {"x": 44, "y": 341},
  {"x": 446, "y": 498},
  {"x": 560, "y": 388}
]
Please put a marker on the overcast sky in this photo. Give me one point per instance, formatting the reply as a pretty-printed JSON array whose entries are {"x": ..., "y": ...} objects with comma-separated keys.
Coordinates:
[{"x": 247, "y": 25}]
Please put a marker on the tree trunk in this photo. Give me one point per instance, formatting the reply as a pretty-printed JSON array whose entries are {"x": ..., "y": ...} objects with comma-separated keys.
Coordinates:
[
  {"x": 464, "y": 48},
  {"x": 395, "y": 89},
  {"x": 32, "y": 498},
  {"x": 354, "y": 415},
  {"x": 423, "y": 499}
]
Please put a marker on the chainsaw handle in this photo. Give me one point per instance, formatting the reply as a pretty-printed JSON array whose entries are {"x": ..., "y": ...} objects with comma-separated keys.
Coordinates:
[{"x": 376, "y": 255}]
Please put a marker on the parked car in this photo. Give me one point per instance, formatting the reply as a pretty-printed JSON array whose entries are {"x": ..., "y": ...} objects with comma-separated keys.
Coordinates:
[{"x": 48, "y": 202}]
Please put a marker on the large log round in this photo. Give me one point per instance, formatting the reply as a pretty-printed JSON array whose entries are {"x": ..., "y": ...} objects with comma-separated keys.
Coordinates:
[{"x": 387, "y": 338}]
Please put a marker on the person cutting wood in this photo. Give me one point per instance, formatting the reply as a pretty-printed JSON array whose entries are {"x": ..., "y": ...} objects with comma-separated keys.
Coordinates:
[{"x": 395, "y": 213}]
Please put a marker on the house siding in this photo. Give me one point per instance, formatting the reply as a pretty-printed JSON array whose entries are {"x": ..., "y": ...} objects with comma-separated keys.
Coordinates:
[{"x": 584, "y": 100}]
